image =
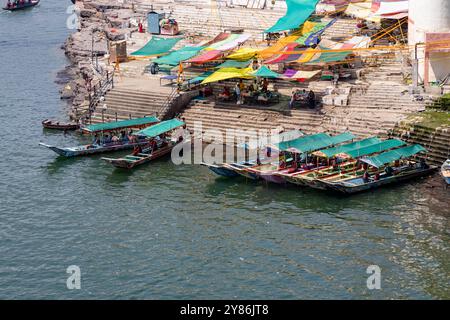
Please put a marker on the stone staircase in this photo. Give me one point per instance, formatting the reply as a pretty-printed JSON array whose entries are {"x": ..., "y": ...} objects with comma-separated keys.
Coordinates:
[
  {"x": 437, "y": 142},
  {"x": 126, "y": 103},
  {"x": 215, "y": 116},
  {"x": 379, "y": 108}
]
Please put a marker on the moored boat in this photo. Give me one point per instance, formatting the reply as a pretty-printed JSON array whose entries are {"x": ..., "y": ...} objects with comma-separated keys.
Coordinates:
[
  {"x": 403, "y": 169},
  {"x": 221, "y": 170},
  {"x": 53, "y": 124},
  {"x": 90, "y": 149},
  {"x": 154, "y": 149},
  {"x": 445, "y": 171},
  {"x": 291, "y": 154},
  {"x": 20, "y": 5}
]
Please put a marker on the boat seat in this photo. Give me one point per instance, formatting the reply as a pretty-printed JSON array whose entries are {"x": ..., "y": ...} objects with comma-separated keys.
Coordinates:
[{"x": 133, "y": 158}]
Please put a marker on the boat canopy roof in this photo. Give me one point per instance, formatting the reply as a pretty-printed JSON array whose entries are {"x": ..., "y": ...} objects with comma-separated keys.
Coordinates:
[
  {"x": 393, "y": 155},
  {"x": 107, "y": 126},
  {"x": 331, "y": 152},
  {"x": 375, "y": 148},
  {"x": 160, "y": 128},
  {"x": 314, "y": 142},
  {"x": 264, "y": 141}
]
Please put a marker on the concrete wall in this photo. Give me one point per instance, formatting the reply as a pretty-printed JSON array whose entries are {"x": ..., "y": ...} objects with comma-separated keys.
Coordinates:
[{"x": 427, "y": 16}]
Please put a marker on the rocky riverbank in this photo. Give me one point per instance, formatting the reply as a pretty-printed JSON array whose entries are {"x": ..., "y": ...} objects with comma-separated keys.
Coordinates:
[{"x": 98, "y": 22}]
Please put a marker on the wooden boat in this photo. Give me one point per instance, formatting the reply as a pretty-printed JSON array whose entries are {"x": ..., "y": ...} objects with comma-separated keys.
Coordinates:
[
  {"x": 445, "y": 171},
  {"x": 131, "y": 161},
  {"x": 151, "y": 150},
  {"x": 292, "y": 150},
  {"x": 90, "y": 149},
  {"x": 221, "y": 170},
  {"x": 240, "y": 169},
  {"x": 137, "y": 123},
  {"x": 402, "y": 170},
  {"x": 358, "y": 184},
  {"x": 25, "y": 5},
  {"x": 50, "y": 124}
]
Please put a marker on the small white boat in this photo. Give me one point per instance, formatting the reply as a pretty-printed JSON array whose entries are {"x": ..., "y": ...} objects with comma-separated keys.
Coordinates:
[{"x": 445, "y": 171}]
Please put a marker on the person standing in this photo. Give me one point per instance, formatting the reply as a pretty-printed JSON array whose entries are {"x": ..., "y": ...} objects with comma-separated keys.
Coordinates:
[{"x": 237, "y": 91}]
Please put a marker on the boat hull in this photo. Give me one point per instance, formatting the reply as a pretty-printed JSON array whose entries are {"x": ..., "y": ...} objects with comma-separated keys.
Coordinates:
[
  {"x": 126, "y": 163},
  {"x": 349, "y": 188},
  {"x": 221, "y": 170},
  {"x": 22, "y": 7},
  {"x": 90, "y": 149},
  {"x": 445, "y": 172},
  {"x": 47, "y": 124}
]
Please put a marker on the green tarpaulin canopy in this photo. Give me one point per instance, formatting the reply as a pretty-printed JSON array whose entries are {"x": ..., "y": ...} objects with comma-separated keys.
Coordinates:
[
  {"x": 175, "y": 57},
  {"x": 234, "y": 64},
  {"x": 156, "y": 45},
  {"x": 298, "y": 11},
  {"x": 375, "y": 148},
  {"x": 107, "y": 126},
  {"x": 327, "y": 153},
  {"x": 393, "y": 155},
  {"x": 265, "y": 72},
  {"x": 314, "y": 142},
  {"x": 328, "y": 57},
  {"x": 201, "y": 77},
  {"x": 298, "y": 142},
  {"x": 161, "y": 127}
]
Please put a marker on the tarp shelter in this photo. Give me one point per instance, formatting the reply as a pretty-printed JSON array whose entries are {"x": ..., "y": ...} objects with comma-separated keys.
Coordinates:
[
  {"x": 160, "y": 128},
  {"x": 375, "y": 148},
  {"x": 304, "y": 75},
  {"x": 200, "y": 78},
  {"x": 298, "y": 11},
  {"x": 284, "y": 58},
  {"x": 277, "y": 47},
  {"x": 393, "y": 155},
  {"x": 117, "y": 125},
  {"x": 175, "y": 57},
  {"x": 243, "y": 54},
  {"x": 362, "y": 10},
  {"x": 314, "y": 142},
  {"x": 331, "y": 6},
  {"x": 228, "y": 73},
  {"x": 206, "y": 56},
  {"x": 234, "y": 64},
  {"x": 156, "y": 46},
  {"x": 265, "y": 72},
  {"x": 329, "y": 56},
  {"x": 331, "y": 152}
]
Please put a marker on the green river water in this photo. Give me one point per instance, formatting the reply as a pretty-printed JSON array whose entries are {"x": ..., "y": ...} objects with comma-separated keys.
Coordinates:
[{"x": 165, "y": 231}]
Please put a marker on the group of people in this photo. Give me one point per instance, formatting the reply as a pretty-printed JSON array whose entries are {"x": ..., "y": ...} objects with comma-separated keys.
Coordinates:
[
  {"x": 242, "y": 91},
  {"x": 16, "y": 3},
  {"x": 302, "y": 96},
  {"x": 123, "y": 137}
]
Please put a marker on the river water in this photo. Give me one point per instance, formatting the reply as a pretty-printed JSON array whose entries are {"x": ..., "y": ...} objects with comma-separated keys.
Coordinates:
[{"x": 165, "y": 231}]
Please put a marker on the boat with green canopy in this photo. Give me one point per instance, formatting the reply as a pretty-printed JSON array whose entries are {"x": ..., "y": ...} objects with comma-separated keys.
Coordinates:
[
  {"x": 336, "y": 165},
  {"x": 238, "y": 168},
  {"x": 160, "y": 142},
  {"x": 339, "y": 170},
  {"x": 293, "y": 155},
  {"x": 398, "y": 166},
  {"x": 138, "y": 123},
  {"x": 108, "y": 140}
]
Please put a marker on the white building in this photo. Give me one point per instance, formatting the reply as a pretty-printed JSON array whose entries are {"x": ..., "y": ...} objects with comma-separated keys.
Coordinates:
[{"x": 429, "y": 24}]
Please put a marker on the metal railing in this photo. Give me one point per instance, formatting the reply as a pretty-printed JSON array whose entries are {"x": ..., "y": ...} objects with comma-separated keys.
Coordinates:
[
  {"x": 99, "y": 90},
  {"x": 169, "y": 100}
]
